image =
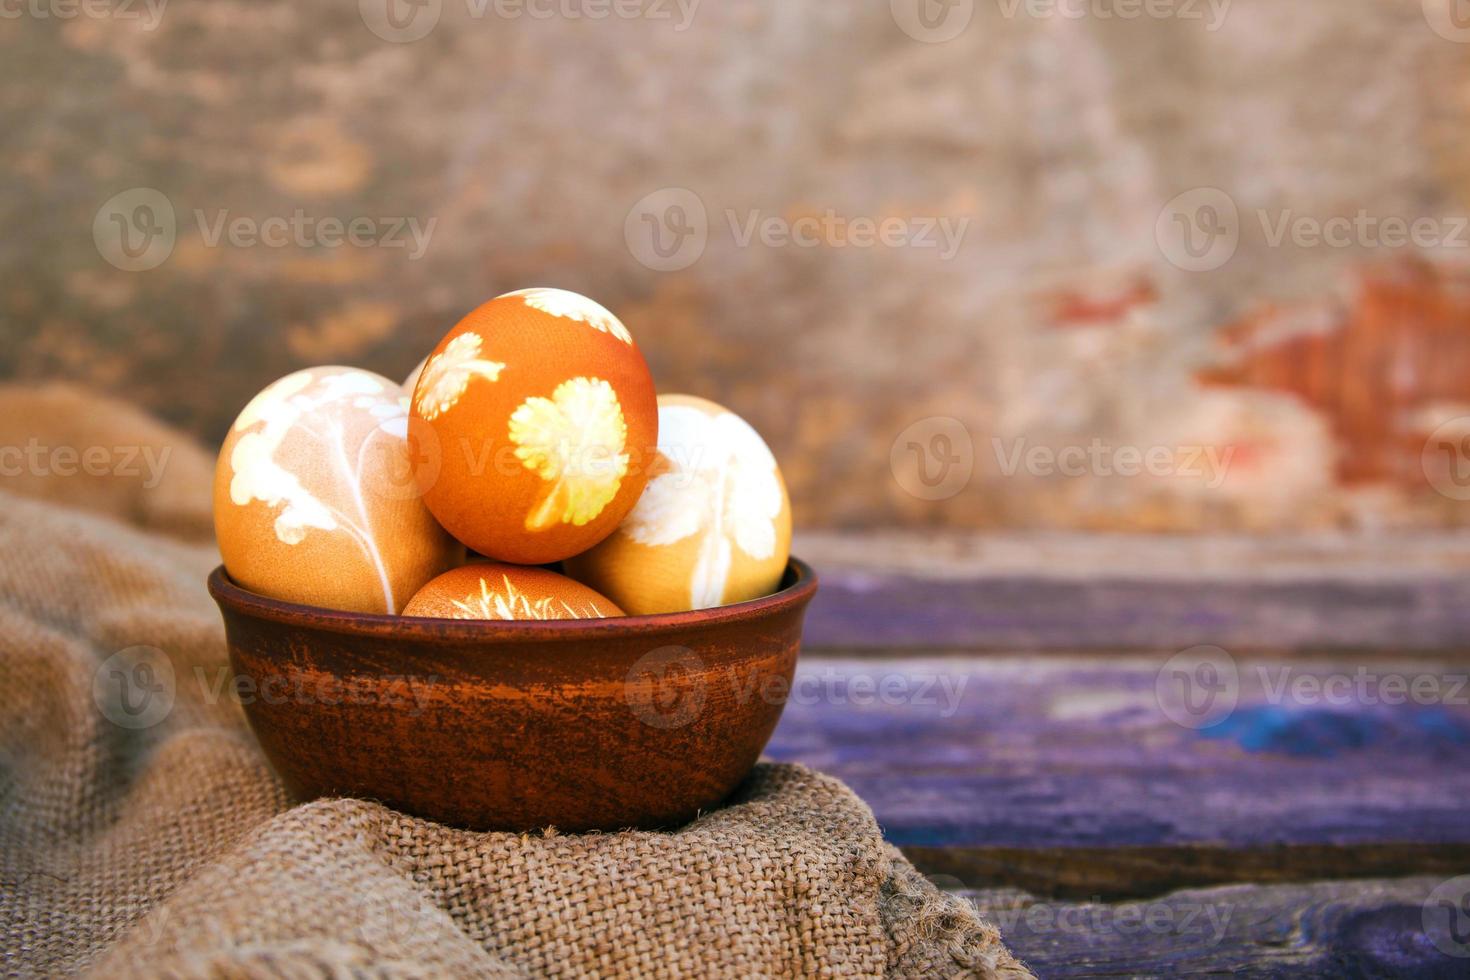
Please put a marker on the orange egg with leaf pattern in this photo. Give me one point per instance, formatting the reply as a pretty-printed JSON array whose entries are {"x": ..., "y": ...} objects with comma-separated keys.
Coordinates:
[
  {"x": 492, "y": 590},
  {"x": 533, "y": 420}
]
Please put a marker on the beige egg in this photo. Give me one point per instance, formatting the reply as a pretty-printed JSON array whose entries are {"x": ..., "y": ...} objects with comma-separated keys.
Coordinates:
[
  {"x": 492, "y": 590},
  {"x": 713, "y": 526},
  {"x": 411, "y": 382},
  {"x": 315, "y": 499}
]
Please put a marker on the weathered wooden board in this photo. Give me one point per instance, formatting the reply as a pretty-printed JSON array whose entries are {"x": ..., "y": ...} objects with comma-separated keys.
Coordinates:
[
  {"x": 1066, "y": 776},
  {"x": 1396, "y": 927},
  {"x": 868, "y": 611},
  {"x": 1108, "y": 592}
]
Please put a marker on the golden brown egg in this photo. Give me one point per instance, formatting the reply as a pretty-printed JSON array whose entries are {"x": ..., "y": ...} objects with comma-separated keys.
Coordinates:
[
  {"x": 492, "y": 590},
  {"x": 713, "y": 525},
  {"x": 315, "y": 500},
  {"x": 541, "y": 411}
]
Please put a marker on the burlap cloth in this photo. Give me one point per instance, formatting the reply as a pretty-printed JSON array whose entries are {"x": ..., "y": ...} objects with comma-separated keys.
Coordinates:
[{"x": 171, "y": 850}]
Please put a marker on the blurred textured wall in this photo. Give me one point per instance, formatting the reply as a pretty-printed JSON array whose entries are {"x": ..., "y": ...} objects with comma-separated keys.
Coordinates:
[{"x": 998, "y": 298}]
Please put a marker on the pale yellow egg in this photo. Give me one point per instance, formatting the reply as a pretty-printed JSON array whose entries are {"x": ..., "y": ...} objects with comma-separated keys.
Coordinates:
[
  {"x": 712, "y": 527},
  {"x": 315, "y": 499}
]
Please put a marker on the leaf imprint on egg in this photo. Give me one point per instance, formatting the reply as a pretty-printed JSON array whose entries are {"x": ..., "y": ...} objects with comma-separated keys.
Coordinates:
[
  {"x": 449, "y": 372},
  {"x": 515, "y": 604},
  {"x": 573, "y": 440},
  {"x": 574, "y": 306},
  {"x": 723, "y": 484},
  {"x": 306, "y": 403}
]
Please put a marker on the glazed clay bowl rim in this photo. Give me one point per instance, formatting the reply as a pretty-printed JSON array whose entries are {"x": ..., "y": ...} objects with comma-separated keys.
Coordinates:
[{"x": 252, "y": 604}]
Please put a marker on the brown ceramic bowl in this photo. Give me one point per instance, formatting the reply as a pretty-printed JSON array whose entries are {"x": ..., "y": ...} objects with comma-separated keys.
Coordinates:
[{"x": 642, "y": 721}]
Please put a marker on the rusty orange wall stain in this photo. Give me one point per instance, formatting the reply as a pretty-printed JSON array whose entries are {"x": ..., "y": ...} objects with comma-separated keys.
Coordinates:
[
  {"x": 1089, "y": 308},
  {"x": 1372, "y": 365}
]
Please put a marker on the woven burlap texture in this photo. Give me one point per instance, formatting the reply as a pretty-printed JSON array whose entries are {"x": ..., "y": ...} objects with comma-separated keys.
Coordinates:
[{"x": 170, "y": 849}]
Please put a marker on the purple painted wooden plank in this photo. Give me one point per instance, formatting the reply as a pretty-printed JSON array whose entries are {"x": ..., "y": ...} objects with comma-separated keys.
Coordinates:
[
  {"x": 1009, "y": 754},
  {"x": 865, "y": 610}
]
